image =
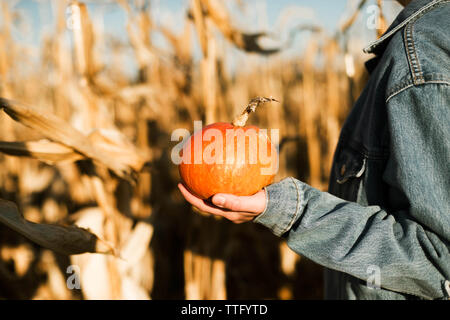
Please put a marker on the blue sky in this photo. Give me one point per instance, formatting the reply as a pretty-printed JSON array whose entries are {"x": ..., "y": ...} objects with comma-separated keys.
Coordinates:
[
  {"x": 37, "y": 17},
  {"x": 257, "y": 13},
  {"x": 327, "y": 11}
]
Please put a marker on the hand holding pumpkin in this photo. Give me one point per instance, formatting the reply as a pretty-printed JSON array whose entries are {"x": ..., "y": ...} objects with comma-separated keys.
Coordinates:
[
  {"x": 228, "y": 179},
  {"x": 237, "y": 209}
]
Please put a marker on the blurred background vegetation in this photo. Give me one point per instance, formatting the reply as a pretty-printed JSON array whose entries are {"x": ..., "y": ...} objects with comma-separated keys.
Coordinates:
[{"x": 95, "y": 89}]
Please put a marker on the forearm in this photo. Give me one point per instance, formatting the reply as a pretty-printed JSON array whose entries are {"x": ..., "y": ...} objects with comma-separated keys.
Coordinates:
[{"x": 348, "y": 237}]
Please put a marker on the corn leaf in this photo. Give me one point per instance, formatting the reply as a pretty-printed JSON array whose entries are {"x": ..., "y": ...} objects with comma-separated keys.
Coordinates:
[{"x": 67, "y": 240}]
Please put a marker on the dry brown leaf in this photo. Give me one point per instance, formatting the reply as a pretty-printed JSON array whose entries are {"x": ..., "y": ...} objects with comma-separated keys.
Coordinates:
[
  {"x": 200, "y": 25},
  {"x": 109, "y": 142},
  {"x": 58, "y": 130},
  {"x": 138, "y": 29},
  {"x": 95, "y": 280},
  {"x": 84, "y": 40},
  {"x": 349, "y": 22},
  {"x": 115, "y": 145},
  {"x": 219, "y": 15},
  {"x": 96, "y": 276},
  {"x": 22, "y": 256},
  {"x": 43, "y": 150},
  {"x": 132, "y": 94},
  {"x": 144, "y": 54},
  {"x": 382, "y": 23},
  {"x": 181, "y": 43},
  {"x": 67, "y": 240},
  {"x": 36, "y": 178},
  {"x": 136, "y": 245},
  {"x": 132, "y": 290}
]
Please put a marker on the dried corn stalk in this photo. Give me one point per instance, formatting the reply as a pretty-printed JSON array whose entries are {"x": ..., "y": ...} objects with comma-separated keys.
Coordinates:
[
  {"x": 382, "y": 24},
  {"x": 310, "y": 116},
  {"x": 219, "y": 15},
  {"x": 350, "y": 21},
  {"x": 205, "y": 277},
  {"x": 58, "y": 130},
  {"x": 65, "y": 240},
  {"x": 42, "y": 150},
  {"x": 106, "y": 277},
  {"x": 84, "y": 41}
]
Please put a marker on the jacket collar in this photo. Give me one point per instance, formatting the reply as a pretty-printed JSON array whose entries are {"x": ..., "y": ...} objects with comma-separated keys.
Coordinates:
[{"x": 410, "y": 12}]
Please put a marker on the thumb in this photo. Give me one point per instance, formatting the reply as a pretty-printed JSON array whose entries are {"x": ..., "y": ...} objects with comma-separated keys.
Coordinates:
[{"x": 255, "y": 203}]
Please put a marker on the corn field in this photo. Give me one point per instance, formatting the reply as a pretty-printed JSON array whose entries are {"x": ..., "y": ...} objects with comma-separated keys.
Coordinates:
[{"x": 89, "y": 205}]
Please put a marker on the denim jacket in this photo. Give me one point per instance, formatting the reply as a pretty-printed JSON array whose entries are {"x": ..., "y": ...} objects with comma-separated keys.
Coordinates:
[{"x": 383, "y": 229}]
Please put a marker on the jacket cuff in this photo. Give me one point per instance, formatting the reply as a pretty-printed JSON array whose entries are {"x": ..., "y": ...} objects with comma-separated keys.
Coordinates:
[{"x": 283, "y": 206}]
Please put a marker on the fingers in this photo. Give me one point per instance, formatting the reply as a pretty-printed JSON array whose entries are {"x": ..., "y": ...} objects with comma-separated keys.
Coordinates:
[
  {"x": 253, "y": 204},
  {"x": 197, "y": 202},
  {"x": 236, "y": 217}
]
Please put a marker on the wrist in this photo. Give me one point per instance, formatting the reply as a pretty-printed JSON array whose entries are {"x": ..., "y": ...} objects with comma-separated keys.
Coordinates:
[{"x": 281, "y": 206}]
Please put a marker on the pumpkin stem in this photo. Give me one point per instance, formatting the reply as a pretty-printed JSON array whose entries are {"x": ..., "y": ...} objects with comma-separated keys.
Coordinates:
[{"x": 240, "y": 120}]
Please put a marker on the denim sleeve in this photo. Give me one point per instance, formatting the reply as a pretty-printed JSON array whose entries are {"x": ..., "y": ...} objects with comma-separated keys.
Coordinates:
[{"x": 409, "y": 244}]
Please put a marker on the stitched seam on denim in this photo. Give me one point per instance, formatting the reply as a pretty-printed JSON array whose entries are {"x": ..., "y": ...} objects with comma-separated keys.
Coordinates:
[
  {"x": 275, "y": 227},
  {"x": 413, "y": 61},
  {"x": 447, "y": 288},
  {"x": 398, "y": 91},
  {"x": 291, "y": 223},
  {"x": 374, "y": 44},
  {"x": 419, "y": 67},
  {"x": 438, "y": 82},
  {"x": 412, "y": 85},
  {"x": 436, "y": 77},
  {"x": 408, "y": 56},
  {"x": 406, "y": 81},
  {"x": 410, "y": 46},
  {"x": 400, "y": 85}
]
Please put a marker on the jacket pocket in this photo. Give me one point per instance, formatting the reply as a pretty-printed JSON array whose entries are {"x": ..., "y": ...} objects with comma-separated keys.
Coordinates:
[
  {"x": 350, "y": 164},
  {"x": 348, "y": 171}
]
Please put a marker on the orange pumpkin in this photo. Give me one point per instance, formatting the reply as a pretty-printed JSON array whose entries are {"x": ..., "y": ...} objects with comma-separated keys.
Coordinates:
[{"x": 228, "y": 158}]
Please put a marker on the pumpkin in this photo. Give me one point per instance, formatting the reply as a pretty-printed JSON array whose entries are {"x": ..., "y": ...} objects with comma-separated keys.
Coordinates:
[{"x": 229, "y": 158}]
